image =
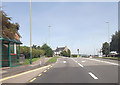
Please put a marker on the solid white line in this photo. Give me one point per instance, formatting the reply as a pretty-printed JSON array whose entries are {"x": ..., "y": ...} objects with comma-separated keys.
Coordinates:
[
  {"x": 78, "y": 63},
  {"x": 93, "y": 75},
  {"x": 102, "y": 61}
]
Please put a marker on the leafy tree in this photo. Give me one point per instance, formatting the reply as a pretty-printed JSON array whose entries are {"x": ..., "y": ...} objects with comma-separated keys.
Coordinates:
[
  {"x": 119, "y": 42},
  {"x": 48, "y": 50},
  {"x": 34, "y": 46},
  {"x": 114, "y": 42},
  {"x": 64, "y": 53},
  {"x": 25, "y": 50},
  {"x": 105, "y": 48},
  {"x": 38, "y": 47},
  {"x": 35, "y": 52},
  {"x": 69, "y": 53},
  {"x": 8, "y": 29}
]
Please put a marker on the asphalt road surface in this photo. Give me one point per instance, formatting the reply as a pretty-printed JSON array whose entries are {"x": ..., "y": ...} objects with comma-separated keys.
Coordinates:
[{"x": 79, "y": 70}]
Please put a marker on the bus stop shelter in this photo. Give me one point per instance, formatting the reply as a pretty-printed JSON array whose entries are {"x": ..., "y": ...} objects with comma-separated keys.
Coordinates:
[{"x": 10, "y": 53}]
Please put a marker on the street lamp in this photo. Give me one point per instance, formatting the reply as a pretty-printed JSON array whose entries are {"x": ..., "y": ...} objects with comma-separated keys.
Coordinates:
[
  {"x": 30, "y": 37},
  {"x": 49, "y": 33},
  {"x": 108, "y": 35}
]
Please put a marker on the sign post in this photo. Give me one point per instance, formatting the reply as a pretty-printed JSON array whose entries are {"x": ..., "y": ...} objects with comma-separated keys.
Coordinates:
[{"x": 78, "y": 53}]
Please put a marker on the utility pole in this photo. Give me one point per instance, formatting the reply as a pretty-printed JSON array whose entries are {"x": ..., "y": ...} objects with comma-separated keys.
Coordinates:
[
  {"x": 108, "y": 36},
  {"x": 49, "y": 34},
  {"x": 30, "y": 37}
]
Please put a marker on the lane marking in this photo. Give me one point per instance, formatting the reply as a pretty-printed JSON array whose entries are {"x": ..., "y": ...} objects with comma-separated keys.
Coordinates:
[
  {"x": 45, "y": 71},
  {"x": 94, "y": 77},
  {"x": 102, "y": 61},
  {"x": 40, "y": 74},
  {"x": 83, "y": 61},
  {"x": 64, "y": 61},
  {"x": 32, "y": 80},
  {"x": 23, "y": 73},
  {"x": 78, "y": 63}
]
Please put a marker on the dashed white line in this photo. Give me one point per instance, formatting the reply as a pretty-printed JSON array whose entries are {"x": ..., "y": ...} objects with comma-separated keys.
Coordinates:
[{"x": 94, "y": 77}]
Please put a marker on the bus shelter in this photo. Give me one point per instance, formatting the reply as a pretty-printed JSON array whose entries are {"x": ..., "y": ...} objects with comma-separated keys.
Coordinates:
[{"x": 10, "y": 54}]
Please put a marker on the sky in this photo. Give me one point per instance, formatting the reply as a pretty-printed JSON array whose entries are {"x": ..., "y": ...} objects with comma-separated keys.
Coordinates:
[{"x": 77, "y": 25}]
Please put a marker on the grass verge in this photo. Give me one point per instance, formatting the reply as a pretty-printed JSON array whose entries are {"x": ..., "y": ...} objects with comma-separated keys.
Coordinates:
[
  {"x": 114, "y": 58},
  {"x": 27, "y": 61},
  {"x": 53, "y": 59}
]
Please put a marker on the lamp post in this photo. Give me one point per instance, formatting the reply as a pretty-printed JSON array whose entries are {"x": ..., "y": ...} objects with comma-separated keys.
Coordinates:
[
  {"x": 49, "y": 33},
  {"x": 108, "y": 36},
  {"x": 30, "y": 37}
]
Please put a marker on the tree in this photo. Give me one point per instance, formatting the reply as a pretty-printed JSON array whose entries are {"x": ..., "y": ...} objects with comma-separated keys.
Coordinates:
[
  {"x": 48, "y": 50},
  {"x": 35, "y": 52},
  {"x": 114, "y": 42},
  {"x": 69, "y": 53},
  {"x": 8, "y": 29},
  {"x": 25, "y": 50},
  {"x": 38, "y": 47},
  {"x": 119, "y": 42},
  {"x": 105, "y": 48},
  {"x": 64, "y": 53},
  {"x": 34, "y": 46}
]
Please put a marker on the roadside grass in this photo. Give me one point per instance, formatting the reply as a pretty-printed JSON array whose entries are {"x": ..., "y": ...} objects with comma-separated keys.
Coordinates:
[
  {"x": 27, "y": 61},
  {"x": 53, "y": 59},
  {"x": 115, "y": 58}
]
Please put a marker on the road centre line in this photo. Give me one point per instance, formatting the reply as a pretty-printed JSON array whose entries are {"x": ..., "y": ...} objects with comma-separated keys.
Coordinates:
[
  {"x": 45, "y": 71},
  {"x": 32, "y": 80},
  {"x": 40, "y": 74},
  {"x": 23, "y": 73},
  {"x": 102, "y": 61},
  {"x": 93, "y": 75}
]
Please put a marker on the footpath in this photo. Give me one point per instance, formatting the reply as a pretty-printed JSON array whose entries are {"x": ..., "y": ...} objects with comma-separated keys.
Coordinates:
[{"x": 7, "y": 71}]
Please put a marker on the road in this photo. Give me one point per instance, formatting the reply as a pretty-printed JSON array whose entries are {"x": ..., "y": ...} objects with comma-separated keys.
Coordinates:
[{"x": 79, "y": 70}]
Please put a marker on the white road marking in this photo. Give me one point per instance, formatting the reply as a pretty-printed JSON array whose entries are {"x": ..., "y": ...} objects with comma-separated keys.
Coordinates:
[
  {"x": 23, "y": 73},
  {"x": 78, "y": 63},
  {"x": 83, "y": 61},
  {"x": 64, "y": 61},
  {"x": 102, "y": 61},
  {"x": 32, "y": 80},
  {"x": 93, "y": 75}
]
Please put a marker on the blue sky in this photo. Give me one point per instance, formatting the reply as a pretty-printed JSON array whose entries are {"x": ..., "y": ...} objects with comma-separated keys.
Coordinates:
[{"x": 76, "y": 25}]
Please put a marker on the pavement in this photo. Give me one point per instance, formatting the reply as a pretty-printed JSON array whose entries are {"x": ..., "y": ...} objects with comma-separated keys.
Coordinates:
[
  {"x": 71, "y": 70},
  {"x": 19, "y": 69}
]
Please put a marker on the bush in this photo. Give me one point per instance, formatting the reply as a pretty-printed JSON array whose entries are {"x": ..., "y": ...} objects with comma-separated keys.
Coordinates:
[
  {"x": 74, "y": 55},
  {"x": 35, "y": 52}
]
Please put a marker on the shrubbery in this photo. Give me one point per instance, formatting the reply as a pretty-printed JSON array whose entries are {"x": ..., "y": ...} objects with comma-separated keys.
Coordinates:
[
  {"x": 64, "y": 53},
  {"x": 37, "y": 51},
  {"x": 74, "y": 55}
]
